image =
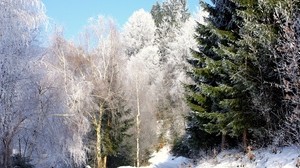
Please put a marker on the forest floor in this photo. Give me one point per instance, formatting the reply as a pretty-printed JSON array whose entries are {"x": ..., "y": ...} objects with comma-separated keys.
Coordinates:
[{"x": 285, "y": 157}]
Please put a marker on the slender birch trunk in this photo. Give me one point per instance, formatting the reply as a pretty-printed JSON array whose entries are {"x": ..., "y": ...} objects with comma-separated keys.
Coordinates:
[
  {"x": 99, "y": 160},
  {"x": 137, "y": 125}
]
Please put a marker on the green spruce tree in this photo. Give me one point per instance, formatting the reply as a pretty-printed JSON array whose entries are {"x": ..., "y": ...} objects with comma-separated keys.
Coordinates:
[{"x": 221, "y": 102}]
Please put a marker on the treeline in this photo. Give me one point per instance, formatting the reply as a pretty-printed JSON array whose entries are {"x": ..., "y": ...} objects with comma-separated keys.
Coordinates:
[
  {"x": 166, "y": 77},
  {"x": 110, "y": 99},
  {"x": 245, "y": 74}
]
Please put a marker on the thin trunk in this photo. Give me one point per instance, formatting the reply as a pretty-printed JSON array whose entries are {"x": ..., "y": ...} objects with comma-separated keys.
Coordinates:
[
  {"x": 104, "y": 158},
  {"x": 223, "y": 141},
  {"x": 98, "y": 147},
  {"x": 98, "y": 139},
  {"x": 137, "y": 126},
  {"x": 7, "y": 144},
  {"x": 7, "y": 152},
  {"x": 245, "y": 140},
  {"x": 104, "y": 161}
]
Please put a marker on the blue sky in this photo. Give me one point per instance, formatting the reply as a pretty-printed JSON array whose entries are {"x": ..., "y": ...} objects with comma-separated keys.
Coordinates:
[{"x": 73, "y": 14}]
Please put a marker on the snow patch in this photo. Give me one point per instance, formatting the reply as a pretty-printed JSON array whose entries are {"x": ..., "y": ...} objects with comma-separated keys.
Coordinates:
[
  {"x": 287, "y": 157},
  {"x": 264, "y": 158},
  {"x": 163, "y": 159}
]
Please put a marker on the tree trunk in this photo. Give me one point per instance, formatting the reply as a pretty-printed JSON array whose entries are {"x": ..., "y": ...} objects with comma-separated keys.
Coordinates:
[
  {"x": 98, "y": 147},
  {"x": 137, "y": 126},
  {"x": 223, "y": 141},
  {"x": 6, "y": 152},
  {"x": 104, "y": 161},
  {"x": 98, "y": 139},
  {"x": 245, "y": 140}
]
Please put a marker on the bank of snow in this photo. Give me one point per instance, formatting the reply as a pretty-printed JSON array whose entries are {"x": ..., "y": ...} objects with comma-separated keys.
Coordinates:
[{"x": 287, "y": 157}]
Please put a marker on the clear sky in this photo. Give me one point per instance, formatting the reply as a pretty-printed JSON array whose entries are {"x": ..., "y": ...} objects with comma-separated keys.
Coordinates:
[{"x": 74, "y": 14}]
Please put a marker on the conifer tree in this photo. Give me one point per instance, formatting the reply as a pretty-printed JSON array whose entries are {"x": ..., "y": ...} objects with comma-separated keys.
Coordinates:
[
  {"x": 170, "y": 10},
  {"x": 287, "y": 56},
  {"x": 157, "y": 13},
  {"x": 212, "y": 84},
  {"x": 220, "y": 104},
  {"x": 271, "y": 39},
  {"x": 169, "y": 17},
  {"x": 256, "y": 51}
]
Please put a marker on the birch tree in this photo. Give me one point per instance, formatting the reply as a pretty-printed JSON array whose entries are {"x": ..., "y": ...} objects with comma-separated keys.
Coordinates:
[
  {"x": 105, "y": 64},
  {"x": 98, "y": 66},
  {"x": 141, "y": 75},
  {"x": 141, "y": 91}
]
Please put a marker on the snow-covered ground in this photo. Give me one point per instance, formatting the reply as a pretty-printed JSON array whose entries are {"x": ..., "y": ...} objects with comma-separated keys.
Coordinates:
[
  {"x": 288, "y": 157},
  {"x": 163, "y": 159}
]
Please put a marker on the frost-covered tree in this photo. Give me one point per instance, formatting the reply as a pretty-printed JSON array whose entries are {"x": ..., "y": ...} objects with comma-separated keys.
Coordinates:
[
  {"x": 108, "y": 118},
  {"x": 172, "y": 14},
  {"x": 138, "y": 32},
  {"x": 173, "y": 106},
  {"x": 171, "y": 11},
  {"x": 259, "y": 36},
  {"x": 141, "y": 78},
  {"x": 142, "y": 71},
  {"x": 287, "y": 58},
  {"x": 91, "y": 106},
  {"x": 20, "y": 24},
  {"x": 174, "y": 38},
  {"x": 69, "y": 102}
]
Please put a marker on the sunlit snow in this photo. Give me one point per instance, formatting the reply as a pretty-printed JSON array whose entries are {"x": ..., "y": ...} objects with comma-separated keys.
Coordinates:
[{"x": 287, "y": 157}]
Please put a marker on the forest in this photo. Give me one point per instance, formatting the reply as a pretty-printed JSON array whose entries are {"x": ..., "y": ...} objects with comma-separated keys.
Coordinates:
[{"x": 224, "y": 77}]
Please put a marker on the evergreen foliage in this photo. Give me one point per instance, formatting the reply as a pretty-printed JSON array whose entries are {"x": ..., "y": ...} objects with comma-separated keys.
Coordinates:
[
  {"x": 234, "y": 91},
  {"x": 218, "y": 102},
  {"x": 168, "y": 17},
  {"x": 258, "y": 73},
  {"x": 171, "y": 11},
  {"x": 69, "y": 105},
  {"x": 238, "y": 72}
]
